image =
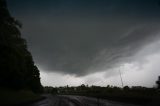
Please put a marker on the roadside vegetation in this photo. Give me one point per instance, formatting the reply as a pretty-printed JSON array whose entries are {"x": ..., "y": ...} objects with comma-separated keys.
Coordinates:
[
  {"x": 135, "y": 94},
  {"x": 10, "y": 97},
  {"x": 19, "y": 76}
]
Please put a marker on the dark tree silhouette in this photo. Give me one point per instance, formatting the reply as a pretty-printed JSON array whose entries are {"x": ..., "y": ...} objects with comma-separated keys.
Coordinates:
[
  {"x": 158, "y": 82},
  {"x": 17, "y": 69}
]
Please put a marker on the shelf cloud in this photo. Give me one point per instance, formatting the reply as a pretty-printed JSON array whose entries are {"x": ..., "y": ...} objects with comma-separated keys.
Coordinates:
[{"x": 80, "y": 37}]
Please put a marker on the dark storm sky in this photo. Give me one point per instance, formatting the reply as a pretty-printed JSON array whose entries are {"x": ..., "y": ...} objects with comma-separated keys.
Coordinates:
[{"x": 81, "y": 37}]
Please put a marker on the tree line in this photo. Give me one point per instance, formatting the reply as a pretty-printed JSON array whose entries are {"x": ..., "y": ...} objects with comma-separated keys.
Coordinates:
[{"x": 135, "y": 94}]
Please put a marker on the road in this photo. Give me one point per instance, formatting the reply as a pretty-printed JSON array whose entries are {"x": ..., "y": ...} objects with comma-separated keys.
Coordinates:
[{"x": 77, "y": 101}]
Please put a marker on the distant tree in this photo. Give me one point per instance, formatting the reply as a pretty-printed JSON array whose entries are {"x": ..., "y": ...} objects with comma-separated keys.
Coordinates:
[
  {"x": 158, "y": 82},
  {"x": 83, "y": 86},
  {"x": 126, "y": 88},
  {"x": 17, "y": 69}
]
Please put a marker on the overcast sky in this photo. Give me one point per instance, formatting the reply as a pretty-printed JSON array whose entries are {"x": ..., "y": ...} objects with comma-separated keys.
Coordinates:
[{"x": 89, "y": 41}]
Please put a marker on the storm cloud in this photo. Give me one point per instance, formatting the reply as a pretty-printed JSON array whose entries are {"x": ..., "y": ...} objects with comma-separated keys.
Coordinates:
[{"x": 81, "y": 37}]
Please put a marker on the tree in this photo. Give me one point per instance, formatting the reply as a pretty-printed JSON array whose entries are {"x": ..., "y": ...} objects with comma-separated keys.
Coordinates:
[
  {"x": 158, "y": 82},
  {"x": 17, "y": 68}
]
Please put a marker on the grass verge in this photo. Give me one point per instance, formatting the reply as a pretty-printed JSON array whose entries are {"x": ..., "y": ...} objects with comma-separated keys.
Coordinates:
[{"x": 9, "y": 97}]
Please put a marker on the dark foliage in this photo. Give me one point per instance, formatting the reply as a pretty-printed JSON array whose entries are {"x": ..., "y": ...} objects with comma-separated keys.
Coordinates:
[
  {"x": 17, "y": 69},
  {"x": 158, "y": 82}
]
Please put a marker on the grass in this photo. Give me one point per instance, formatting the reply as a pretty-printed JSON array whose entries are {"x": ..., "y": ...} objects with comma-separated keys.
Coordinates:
[{"x": 13, "y": 97}]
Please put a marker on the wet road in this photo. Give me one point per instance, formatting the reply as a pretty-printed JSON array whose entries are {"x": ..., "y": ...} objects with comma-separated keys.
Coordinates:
[{"x": 76, "y": 101}]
